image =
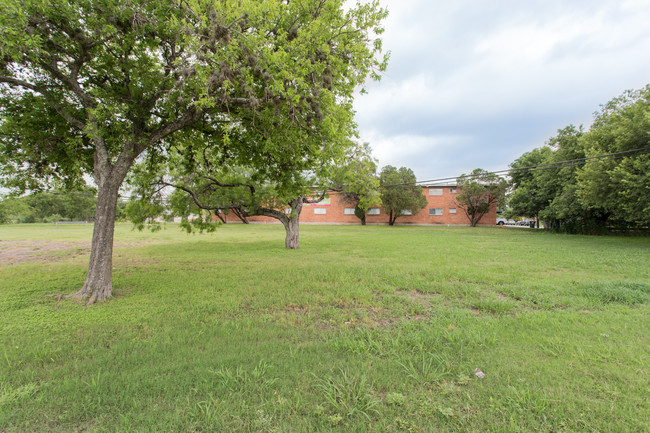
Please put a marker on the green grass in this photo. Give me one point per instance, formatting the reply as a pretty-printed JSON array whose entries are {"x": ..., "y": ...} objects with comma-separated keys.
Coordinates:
[{"x": 361, "y": 329}]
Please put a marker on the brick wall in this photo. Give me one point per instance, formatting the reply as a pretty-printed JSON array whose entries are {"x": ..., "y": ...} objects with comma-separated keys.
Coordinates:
[{"x": 441, "y": 203}]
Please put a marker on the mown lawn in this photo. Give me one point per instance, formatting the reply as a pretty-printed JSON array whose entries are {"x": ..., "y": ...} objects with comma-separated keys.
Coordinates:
[{"x": 361, "y": 329}]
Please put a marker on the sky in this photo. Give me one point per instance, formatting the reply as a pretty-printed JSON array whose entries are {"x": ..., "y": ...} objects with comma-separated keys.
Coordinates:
[{"x": 475, "y": 84}]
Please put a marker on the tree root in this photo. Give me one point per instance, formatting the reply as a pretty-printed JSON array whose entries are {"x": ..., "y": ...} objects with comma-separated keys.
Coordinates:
[
  {"x": 97, "y": 296},
  {"x": 58, "y": 296},
  {"x": 93, "y": 295}
]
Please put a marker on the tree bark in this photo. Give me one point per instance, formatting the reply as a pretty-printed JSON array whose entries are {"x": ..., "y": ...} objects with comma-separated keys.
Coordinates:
[
  {"x": 291, "y": 226},
  {"x": 98, "y": 286},
  {"x": 291, "y": 223},
  {"x": 108, "y": 177}
]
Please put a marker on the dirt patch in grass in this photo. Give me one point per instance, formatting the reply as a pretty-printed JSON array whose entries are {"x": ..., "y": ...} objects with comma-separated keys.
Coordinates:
[
  {"x": 40, "y": 251},
  {"x": 46, "y": 251}
]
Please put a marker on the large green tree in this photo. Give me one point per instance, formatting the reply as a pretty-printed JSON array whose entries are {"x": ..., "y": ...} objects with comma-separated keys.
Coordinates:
[
  {"x": 548, "y": 189},
  {"x": 480, "y": 192},
  {"x": 113, "y": 80},
  {"x": 595, "y": 180},
  {"x": 619, "y": 188},
  {"x": 399, "y": 192}
]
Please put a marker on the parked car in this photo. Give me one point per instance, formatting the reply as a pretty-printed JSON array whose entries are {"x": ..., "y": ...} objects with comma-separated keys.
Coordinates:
[{"x": 505, "y": 221}]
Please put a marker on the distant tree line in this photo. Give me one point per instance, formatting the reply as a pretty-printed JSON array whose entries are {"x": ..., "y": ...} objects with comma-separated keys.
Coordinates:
[
  {"x": 572, "y": 193},
  {"x": 53, "y": 206}
]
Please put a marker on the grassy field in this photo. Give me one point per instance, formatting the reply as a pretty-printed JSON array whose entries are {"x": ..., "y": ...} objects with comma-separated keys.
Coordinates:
[{"x": 361, "y": 329}]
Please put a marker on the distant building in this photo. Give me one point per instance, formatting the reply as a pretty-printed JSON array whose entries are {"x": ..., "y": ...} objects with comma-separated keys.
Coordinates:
[{"x": 441, "y": 209}]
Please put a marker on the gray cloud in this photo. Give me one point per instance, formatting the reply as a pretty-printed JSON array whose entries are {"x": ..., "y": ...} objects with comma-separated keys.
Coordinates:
[{"x": 476, "y": 84}]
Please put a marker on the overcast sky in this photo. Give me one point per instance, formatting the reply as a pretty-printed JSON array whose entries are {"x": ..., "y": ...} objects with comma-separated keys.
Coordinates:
[{"x": 474, "y": 83}]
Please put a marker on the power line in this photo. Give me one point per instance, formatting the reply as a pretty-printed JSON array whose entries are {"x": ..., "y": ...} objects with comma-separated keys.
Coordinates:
[{"x": 538, "y": 167}]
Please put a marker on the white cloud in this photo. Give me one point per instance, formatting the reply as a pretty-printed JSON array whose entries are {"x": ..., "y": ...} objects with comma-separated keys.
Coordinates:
[{"x": 475, "y": 83}]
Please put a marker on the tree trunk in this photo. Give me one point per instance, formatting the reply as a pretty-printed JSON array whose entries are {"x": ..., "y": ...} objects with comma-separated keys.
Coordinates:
[
  {"x": 360, "y": 213},
  {"x": 291, "y": 223},
  {"x": 98, "y": 286},
  {"x": 476, "y": 218},
  {"x": 391, "y": 220},
  {"x": 292, "y": 227}
]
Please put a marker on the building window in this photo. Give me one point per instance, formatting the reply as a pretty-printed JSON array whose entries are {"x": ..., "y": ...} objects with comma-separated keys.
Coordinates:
[
  {"x": 435, "y": 211},
  {"x": 373, "y": 211},
  {"x": 348, "y": 211},
  {"x": 435, "y": 191},
  {"x": 452, "y": 190},
  {"x": 287, "y": 210},
  {"x": 452, "y": 210},
  {"x": 320, "y": 210},
  {"x": 407, "y": 212}
]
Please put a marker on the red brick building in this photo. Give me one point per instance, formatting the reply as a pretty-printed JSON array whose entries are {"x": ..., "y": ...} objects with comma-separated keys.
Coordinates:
[{"x": 441, "y": 209}]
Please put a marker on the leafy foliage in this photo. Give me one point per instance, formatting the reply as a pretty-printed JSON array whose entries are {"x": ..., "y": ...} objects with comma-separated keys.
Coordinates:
[
  {"x": 480, "y": 192},
  {"x": 574, "y": 195},
  {"x": 399, "y": 192},
  {"x": 357, "y": 181},
  {"x": 619, "y": 189},
  {"x": 38, "y": 148},
  {"x": 49, "y": 207}
]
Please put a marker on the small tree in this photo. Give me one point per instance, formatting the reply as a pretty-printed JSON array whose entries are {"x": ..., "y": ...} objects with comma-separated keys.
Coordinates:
[
  {"x": 195, "y": 194},
  {"x": 480, "y": 192},
  {"x": 357, "y": 182},
  {"x": 399, "y": 192},
  {"x": 200, "y": 183}
]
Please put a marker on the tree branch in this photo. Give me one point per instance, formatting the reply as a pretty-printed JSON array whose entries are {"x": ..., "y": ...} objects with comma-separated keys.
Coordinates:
[
  {"x": 226, "y": 185},
  {"x": 315, "y": 200},
  {"x": 272, "y": 213},
  {"x": 70, "y": 82},
  {"x": 192, "y": 194},
  {"x": 48, "y": 97},
  {"x": 190, "y": 116}
]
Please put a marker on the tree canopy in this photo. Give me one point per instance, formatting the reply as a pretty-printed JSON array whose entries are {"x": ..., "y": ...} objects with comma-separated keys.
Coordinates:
[
  {"x": 399, "y": 193},
  {"x": 116, "y": 80},
  {"x": 480, "y": 192},
  {"x": 619, "y": 188},
  {"x": 579, "y": 191},
  {"x": 357, "y": 181}
]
